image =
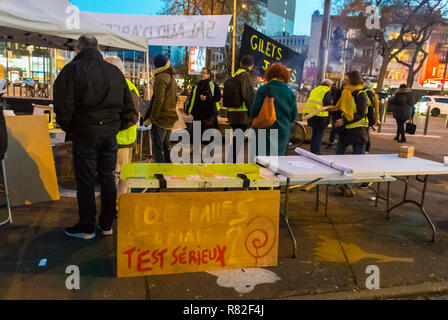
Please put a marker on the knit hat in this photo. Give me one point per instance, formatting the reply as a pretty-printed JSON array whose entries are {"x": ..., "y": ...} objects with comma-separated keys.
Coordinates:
[{"x": 160, "y": 60}]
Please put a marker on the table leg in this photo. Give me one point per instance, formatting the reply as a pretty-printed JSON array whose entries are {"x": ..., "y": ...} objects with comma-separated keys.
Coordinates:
[
  {"x": 141, "y": 145},
  {"x": 7, "y": 195},
  {"x": 326, "y": 200},
  {"x": 317, "y": 198},
  {"x": 285, "y": 217},
  {"x": 418, "y": 204},
  {"x": 377, "y": 194}
]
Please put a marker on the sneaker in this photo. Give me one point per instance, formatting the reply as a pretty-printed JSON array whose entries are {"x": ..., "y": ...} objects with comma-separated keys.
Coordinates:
[
  {"x": 79, "y": 231},
  {"x": 105, "y": 232},
  {"x": 396, "y": 138}
]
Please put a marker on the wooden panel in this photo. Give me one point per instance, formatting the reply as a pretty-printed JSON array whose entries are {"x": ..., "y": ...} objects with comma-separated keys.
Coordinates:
[
  {"x": 30, "y": 169},
  {"x": 164, "y": 233}
]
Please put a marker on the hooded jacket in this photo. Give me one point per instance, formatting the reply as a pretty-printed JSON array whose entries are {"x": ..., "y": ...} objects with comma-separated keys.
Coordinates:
[{"x": 163, "y": 110}]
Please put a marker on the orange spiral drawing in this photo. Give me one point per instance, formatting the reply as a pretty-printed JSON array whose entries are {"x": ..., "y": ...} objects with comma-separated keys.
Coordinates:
[{"x": 259, "y": 242}]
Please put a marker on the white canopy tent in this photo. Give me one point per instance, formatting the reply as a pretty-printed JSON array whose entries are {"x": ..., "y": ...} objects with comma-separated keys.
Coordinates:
[{"x": 44, "y": 23}]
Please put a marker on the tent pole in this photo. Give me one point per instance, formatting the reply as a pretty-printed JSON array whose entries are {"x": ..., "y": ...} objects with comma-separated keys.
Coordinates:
[{"x": 147, "y": 70}]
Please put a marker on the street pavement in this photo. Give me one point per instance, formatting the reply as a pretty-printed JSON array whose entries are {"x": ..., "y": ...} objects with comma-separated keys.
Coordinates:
[{"x": 333, "y": 252}]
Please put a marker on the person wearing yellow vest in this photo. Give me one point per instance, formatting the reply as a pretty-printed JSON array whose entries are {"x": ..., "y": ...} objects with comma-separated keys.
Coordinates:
[
  {"x": 239, "y": 117},
  {"x": 319, "y": 98},
  {"x": 204, "y": 102},
  {"x": 125, "y": 138},
  {"x": 353, "y": 104}
]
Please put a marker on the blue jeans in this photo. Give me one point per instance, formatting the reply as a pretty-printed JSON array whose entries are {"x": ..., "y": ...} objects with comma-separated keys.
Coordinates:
[
  {"x": 357, "y": 148},
  {"x": 161, "y": 144},
  {"x": 316, "y": 138}
]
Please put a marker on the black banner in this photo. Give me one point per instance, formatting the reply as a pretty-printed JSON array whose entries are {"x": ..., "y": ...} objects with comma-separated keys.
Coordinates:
[{"x": 266, "y": 51}]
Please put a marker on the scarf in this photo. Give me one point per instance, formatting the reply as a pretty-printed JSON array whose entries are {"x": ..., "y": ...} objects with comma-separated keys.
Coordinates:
[{"x": 345, "y": 102}]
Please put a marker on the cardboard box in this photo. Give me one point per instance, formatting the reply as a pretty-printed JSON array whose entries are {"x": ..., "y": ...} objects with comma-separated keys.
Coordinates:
[{"x": 406, "y": 152}]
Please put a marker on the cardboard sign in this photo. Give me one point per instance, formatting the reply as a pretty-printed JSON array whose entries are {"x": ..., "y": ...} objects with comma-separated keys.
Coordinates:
[
  {"x": 267, "y": 51},
  {"x": 30, "y": 169},
  {"x": 165, "y": 233}
]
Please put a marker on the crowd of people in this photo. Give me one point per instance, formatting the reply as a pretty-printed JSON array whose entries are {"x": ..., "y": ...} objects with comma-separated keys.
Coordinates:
[{"x": 99, "y": 110}]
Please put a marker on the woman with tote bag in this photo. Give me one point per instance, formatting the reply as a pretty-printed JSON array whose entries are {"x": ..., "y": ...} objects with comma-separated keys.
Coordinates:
[{"x": 276, "y": 90}]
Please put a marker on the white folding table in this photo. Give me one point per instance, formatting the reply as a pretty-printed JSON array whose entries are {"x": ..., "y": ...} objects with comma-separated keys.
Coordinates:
[{"x": 366, "y": 168}]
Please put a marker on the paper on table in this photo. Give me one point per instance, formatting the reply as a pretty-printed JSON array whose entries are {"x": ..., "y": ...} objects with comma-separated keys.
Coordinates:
[
  {"x": 345, "y": 170},
  {"x": 301, "y": 164}
]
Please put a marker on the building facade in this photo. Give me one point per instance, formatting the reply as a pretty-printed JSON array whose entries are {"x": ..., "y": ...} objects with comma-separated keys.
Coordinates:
[
  {"x": 296, "y": 43},
  {"x": 280, "y": 16}
]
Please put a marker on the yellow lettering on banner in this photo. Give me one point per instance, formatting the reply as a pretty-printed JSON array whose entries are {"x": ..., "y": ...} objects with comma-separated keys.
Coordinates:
[
  {"x": 267, "y": 49},
  {"x": 279, "y": 53},
  {"x": 261, "y": 45},
  {"x": 252, "y": 44},
  {"x": 266, "y": 65},
  {"x": 294, "y": 75},
  {"x": 165, "y": 233}
]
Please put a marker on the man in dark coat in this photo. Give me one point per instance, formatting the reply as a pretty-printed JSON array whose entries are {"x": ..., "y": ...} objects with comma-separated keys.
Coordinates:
[
  {"x": 92, "y": 103},
  {"x": 402, "y": 105},
  {"x": 204, "y": 101}
]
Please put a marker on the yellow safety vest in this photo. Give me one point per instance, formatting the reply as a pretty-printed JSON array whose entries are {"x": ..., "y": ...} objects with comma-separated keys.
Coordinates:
[
  {"x": 243, "y": 107},
  {"x": 364, "y": 122},
  {"x": 315, "y": 101},
  {"x": 128, "y": 136},
  {"x": 212, "y": 88}
]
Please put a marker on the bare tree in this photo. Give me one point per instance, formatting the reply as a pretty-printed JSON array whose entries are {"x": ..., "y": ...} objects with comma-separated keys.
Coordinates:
[
  {"x": 410, "y": 21},
  {"x": 252, "y": 15}
]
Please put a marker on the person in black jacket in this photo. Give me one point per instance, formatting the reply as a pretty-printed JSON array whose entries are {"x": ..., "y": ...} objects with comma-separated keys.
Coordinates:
[
  {"x": 93, "y": 103},
  {"x": 402, "y": 105},
  {"x": 204, "y": 101}
]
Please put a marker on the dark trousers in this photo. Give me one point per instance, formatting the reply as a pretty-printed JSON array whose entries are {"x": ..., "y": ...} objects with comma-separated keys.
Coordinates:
[
  {"x": 161, "y": 144},
  {"x": 236, "y": 151},
  {"x": 357, "y": 148},
  {"x": 400, "y": 129},
  {"x": 332, "y": 132},
  {"x": 92, "y": 159},
  {"x": 368, "y": 141},
  {"x": 316, "y": 138}
]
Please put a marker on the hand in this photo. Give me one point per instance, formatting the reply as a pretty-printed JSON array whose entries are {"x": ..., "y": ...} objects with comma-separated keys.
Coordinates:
[
  {"x": 203, "y": 98},
  {"x": 339, "y": 123}
]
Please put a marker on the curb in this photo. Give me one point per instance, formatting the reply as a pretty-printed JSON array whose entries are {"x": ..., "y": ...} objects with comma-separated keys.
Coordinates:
[{"x": 393, "y": 292}]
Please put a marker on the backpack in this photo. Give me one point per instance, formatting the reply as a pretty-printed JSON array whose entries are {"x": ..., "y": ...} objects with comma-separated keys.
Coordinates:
[
  {"x": 232, "y": 96},
  {"x": 371, "y": 110}
]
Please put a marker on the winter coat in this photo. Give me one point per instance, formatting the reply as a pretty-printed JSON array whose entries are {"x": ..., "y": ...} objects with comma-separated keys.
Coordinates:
[
  {"x": 91, "y": 97},
  {"x": 204, "y": 110},
  {"x": 285, "y": 108},
  {"x": 402, "y": 104},
  {"x": 163, "y": 110}
]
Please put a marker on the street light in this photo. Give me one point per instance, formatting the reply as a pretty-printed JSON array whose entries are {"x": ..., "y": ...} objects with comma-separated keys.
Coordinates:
[{"x": 233, "y": 42}]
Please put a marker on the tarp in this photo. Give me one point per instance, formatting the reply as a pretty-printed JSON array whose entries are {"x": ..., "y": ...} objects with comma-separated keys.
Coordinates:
[
  {"x": 54, "y": 24},
  {"x": 266, "y": 51},
  {"x": 167, "y": 30}
]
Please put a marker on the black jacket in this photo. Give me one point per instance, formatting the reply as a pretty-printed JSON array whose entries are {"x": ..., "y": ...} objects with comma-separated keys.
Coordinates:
[
  {"x": 402, "y": 104},
  {"x": 92, "y": 98},
  {"x": 204, "y": 110}
]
